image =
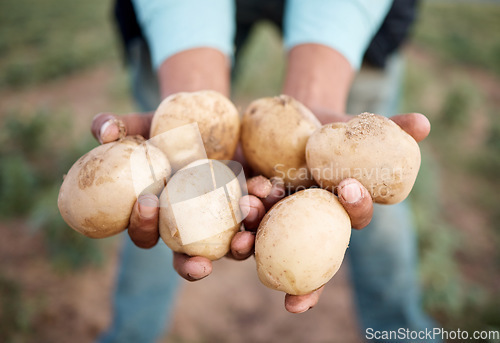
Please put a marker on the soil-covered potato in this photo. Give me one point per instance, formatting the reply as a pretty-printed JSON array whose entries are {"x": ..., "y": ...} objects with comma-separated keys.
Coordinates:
[
  {"x": 98, "y": 193},
  {"x": 218, "y": 122},
  {"x": 274, "y": 134},
  {"x": 370, "y": 148},
  {"x": 301, "y": 241},
  {"x": 199, "y": 209}
]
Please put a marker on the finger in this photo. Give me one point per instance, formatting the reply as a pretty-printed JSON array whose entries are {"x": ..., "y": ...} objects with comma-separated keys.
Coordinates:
[
  {"x": 276, "y": 194},
  {"x": 192, "y": 268},
  {"x": 259, "y": 186},
  {"x": 143, "y": 227},
  {"x": 242, "y": 245},
  {"x": 302, "y": 303},
  {"x": 253, "y": 211},
  {"x": 107, "y": 127},
  {"x": 415, "y": 124},
  {"x": 356, "y": 201}
]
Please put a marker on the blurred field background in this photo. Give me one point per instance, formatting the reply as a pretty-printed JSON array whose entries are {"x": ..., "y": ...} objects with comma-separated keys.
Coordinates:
[{"x": 60, "y": 64}]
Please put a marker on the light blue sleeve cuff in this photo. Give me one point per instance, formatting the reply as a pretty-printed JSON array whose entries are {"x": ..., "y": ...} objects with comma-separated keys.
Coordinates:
[
  {"x": 344, "y": 25},
  {"x": 171, "y": 26}
]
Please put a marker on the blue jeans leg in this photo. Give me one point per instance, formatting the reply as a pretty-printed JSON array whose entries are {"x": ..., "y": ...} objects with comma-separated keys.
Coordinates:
[
  {"x": 144, "y": 296},
  {"x": 383, "y": 259}
]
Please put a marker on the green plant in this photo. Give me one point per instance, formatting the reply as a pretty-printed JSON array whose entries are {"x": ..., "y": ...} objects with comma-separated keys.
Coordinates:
[
  {"x": 17, "y": 184},
  {"x": 458, "y": 106},
  {"x": 33, "y": 158},
  {"x": 438, "y": 243},
  {"x": 461, "y": 32},
  {"x": 15, "y": 317},
  {"x": 57, "y": 38}
]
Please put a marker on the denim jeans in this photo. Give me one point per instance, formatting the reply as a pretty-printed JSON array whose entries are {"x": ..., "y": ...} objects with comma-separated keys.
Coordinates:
[{"x": 382, "y": 256}]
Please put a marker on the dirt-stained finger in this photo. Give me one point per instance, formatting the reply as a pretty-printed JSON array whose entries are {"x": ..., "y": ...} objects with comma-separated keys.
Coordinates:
[
  {"x": 143, "y": 227},
  {"x": 192, "y": 268},
  {"x": 302, "y": 303},
  {"x": 259, "y": 186},
  {"x": 108, "y": 127},
  {"x": 242, "y": 245},
  {"x": 276, "y": 194},
  {"x": 356, "y": 201},
  {"x": 253, "y": 211}
]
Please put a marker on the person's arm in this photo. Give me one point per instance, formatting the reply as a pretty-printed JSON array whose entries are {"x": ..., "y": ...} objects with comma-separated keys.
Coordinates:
[
  {"x": 194, "y": 70},
  {"x": 320, "y": 78},
  {"x": 326, "y": 41}
]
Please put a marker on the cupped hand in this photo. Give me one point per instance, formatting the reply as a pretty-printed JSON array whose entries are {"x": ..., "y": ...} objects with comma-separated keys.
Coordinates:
[
  {"x": 143, "y": 226},
  {"x": 355, "y": 198}
]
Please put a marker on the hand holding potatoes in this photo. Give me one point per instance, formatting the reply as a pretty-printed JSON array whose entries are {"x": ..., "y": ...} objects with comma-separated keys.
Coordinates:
[{"x": 290, "y": 238}]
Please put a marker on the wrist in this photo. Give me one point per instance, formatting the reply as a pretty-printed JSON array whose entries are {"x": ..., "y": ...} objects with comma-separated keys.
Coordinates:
[
  {"x": 195, "y": 70},
  {"x": 320, "y": 78}
]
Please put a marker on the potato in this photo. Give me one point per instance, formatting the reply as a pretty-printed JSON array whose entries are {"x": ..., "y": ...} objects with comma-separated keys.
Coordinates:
[
  {"x": 274, "y": 134},
  {"x": 199, "y": 209},
  {"x": 218, "y": 122},
  {"x": 98, "y": 193},
  {"x": 301, "y": 241},
  {"x": 370, "y": 148}
]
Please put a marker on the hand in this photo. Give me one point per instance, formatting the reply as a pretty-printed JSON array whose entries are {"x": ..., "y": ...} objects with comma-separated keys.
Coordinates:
[
  {"x": 143, "y": 226},
  {"x": 353, "y": 196}
]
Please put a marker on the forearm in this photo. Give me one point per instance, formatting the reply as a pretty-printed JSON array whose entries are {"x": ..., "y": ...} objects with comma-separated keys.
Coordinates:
[
  {"x": 320, "y": 78},
  {"x": 194, "y": 70}
]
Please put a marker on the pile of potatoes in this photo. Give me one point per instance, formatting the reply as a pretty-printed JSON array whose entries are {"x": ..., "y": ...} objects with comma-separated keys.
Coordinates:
[{"x": 301, "y": 241}]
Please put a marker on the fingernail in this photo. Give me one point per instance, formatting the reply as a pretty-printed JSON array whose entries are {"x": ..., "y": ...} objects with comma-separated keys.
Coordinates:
[
  {"x": 351, "y": 193},
  {"x": 304, "y": 310},
  {"x": 148, "y": 206},
  {"x": 104, "y": 128}
]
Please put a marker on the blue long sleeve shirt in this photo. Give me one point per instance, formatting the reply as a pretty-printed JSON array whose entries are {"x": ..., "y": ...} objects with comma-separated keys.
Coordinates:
[{"x": 171, "y": 26}]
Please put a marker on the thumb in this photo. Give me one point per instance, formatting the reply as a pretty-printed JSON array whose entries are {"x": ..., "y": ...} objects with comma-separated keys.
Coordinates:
[
  {"x": 415, "y": 124},
  {"x": 107, "y": 127}
]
